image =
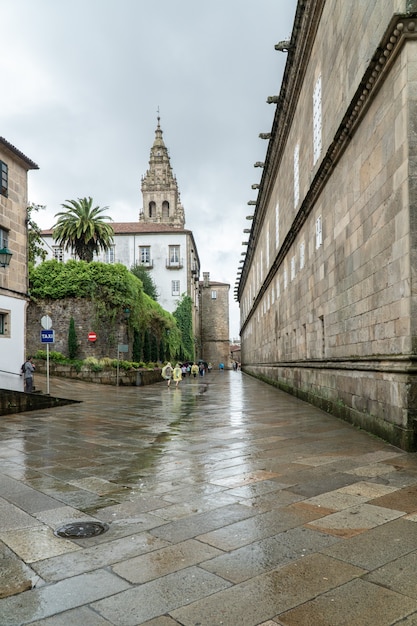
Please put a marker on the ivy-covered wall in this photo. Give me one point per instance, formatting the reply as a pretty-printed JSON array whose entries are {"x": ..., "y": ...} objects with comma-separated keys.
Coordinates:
[{"x": 102, "y": 298}]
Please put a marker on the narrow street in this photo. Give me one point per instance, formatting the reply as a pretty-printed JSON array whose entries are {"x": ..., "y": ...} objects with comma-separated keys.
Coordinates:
[{"x": 223, "y": 502}]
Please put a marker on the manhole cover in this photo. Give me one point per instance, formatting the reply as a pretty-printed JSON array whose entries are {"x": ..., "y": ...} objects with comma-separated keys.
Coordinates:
[{"x": 81, "y": 529}]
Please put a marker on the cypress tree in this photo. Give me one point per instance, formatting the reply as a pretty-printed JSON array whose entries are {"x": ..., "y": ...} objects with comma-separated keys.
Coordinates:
[{"x": 72, "y": 340}]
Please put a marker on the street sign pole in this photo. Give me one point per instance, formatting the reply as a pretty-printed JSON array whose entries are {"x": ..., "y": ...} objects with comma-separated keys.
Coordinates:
[
  {"x": 47, "y": 369},
  {"x": 47, "y": 336}
]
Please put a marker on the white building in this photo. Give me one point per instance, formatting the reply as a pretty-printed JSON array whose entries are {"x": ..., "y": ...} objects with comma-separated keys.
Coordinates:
[
  {"x": 158, "y": 240},
  {"x": 14, "y": 166}
]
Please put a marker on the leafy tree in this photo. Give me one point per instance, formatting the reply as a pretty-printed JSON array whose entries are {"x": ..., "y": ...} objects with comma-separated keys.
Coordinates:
[
  {"x": 35, "y": 248},
  {"x": 83, "y": 229},
  {"x": 149, "y": 286},
  {"x": 72, "y": 340}
]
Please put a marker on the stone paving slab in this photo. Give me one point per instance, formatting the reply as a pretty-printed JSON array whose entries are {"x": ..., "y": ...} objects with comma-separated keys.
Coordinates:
[
  {"x": 67, "y": 594},
  {"x": 358, "y": 603},
  {"x": 102, "y": 555},
  {"x": 262, "y": 556},
  {"x": 264, "y": 525},
  {"x": 159, "y": 596},
  {"x": 39, "y": 543},
  {"x": 378, "y": 546},
  {"x": 157, "y": 563},
  {"x": 75, "y": 617},
  {"x": 274, "y": 592},
  {"x": 15, "y": 575}
]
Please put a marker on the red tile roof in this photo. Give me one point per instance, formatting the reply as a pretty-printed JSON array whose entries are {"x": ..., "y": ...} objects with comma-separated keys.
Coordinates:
[{"x": 132, "y": 228}]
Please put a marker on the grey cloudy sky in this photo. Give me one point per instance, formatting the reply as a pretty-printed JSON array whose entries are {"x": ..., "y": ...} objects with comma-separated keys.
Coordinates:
[{"x": 81, "y": 84}]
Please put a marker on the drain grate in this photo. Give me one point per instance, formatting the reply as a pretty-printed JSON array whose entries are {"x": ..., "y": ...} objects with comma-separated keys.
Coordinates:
[{"x": 81, "y": 530}]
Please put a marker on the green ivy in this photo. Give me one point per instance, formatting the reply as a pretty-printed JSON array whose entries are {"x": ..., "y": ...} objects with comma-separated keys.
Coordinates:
[{"x": 184, "y": 317}]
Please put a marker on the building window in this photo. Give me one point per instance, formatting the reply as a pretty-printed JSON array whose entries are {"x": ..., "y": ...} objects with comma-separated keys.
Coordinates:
[
  {"x": 174, "y": 255},
  {"x": 152, "y": 209},
  {"x": 145, "y": 255},
  {"x": 175, "y": 284},
  {"x": 296, "y": 175},
  {"x": 317, "y": 120},
  {"x": 4, "y": 323},
  {"x": 58, "y": 253},
  {"x": 4, "y": 236},
  {"x": 277, "y": 226},
  {"x": 267, "y": 247},
  {"x": 213, "y": 294},
  {"x": 285, "y": 279},
  {"x": 292, "y": 268},
  {"x": 319, "y": 234},
  {"x": 110, "y": 254},
  {"x": 4, "y": 171},
  {"x": 302, "y": 255}
]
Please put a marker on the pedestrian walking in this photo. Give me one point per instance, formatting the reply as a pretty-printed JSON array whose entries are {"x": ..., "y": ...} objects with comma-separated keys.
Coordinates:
[
  {"x": 177, "y": 374},
  {"x": 166, "y": 373},
  {"x": 28, "y": 369},
  {"x": 194, "y": 369}
]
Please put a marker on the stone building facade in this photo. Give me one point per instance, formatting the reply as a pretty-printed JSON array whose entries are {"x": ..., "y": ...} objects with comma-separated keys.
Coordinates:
[
  {"x": 327, "y": 289},
  {"x": 214, "y": 321},
  {"x": 14, "y": 168}
]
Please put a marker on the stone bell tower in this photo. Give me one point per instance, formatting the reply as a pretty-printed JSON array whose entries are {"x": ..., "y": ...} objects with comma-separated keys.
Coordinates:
[{"x": 161, "y": 198}]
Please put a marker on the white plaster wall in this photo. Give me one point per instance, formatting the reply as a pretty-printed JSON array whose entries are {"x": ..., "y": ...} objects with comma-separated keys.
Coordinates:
[{"x": 12, "y": 349}]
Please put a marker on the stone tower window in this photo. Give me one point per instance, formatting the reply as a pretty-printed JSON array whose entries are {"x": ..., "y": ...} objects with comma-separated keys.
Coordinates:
[
  {"x": 165, "y": 209},
  {"x": 152, "y": 209},
  {"x": 213, "y": 294}
]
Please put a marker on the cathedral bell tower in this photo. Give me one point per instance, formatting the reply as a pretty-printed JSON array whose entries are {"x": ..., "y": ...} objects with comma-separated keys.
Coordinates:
[{"x": 161, "y": 198}]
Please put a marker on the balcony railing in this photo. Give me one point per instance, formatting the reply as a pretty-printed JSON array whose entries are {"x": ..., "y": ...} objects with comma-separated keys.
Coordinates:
[{"x": 174, "y": 265}]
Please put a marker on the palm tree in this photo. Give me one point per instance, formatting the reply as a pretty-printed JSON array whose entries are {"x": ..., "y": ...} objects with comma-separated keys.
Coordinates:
[{"x": 82, "y": 229}]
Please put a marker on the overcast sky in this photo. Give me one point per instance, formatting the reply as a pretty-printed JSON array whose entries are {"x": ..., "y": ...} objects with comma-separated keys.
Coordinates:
[{"x": 81, "y": 85}]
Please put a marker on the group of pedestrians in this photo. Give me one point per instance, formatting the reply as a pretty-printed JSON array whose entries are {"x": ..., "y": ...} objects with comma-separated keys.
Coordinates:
[{"x": 179, "y": 372}]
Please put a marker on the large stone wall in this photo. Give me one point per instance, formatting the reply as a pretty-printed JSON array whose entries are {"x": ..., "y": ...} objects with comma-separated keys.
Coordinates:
[
  {"x": 331, "y": 319},
  {"x": 82, "y": 310}
]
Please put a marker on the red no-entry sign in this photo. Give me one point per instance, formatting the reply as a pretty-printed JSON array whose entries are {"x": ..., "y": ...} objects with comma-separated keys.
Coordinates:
[{"x": 92, "y": 336}]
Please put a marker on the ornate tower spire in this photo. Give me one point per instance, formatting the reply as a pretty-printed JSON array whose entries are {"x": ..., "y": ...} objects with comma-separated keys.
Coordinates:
[{"x": 161, "y": 198}]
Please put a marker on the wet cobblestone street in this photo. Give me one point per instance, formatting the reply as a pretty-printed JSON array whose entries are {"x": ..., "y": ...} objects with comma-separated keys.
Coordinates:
[{"x": 228, "y": 502}]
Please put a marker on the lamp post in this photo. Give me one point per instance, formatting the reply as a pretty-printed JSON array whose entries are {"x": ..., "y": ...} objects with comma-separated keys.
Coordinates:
[{"x": 5, "y": 257}]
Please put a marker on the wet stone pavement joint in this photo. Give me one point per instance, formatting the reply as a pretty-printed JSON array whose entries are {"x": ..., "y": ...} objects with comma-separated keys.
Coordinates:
[{"x": 225, "y": 502}]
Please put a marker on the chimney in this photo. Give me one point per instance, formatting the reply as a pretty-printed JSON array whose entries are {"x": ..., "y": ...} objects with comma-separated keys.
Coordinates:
[{"x": 206, "y": 279}]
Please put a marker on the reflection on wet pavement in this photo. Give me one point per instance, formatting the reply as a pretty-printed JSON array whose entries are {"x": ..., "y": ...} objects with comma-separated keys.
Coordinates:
[{"x": 228, "y": 502}]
